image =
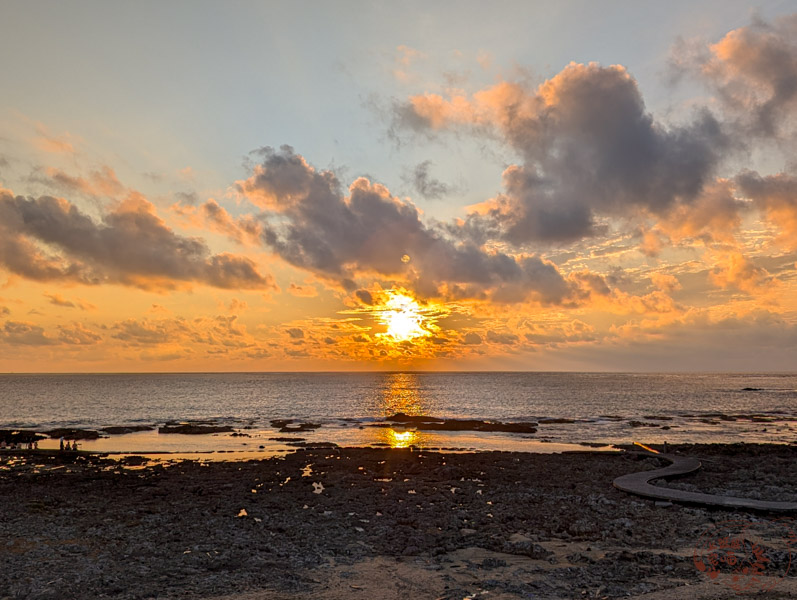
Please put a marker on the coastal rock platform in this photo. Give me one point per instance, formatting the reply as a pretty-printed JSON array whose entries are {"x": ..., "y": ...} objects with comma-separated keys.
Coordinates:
[{"x": 368, "y": 523}]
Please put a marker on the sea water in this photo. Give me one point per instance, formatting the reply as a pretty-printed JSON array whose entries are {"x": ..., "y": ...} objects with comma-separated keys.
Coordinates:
[{"x": 604, "y": 407}]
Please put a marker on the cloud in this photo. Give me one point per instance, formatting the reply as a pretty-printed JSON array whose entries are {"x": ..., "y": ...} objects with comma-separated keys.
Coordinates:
[
  {"x": 404, "y": 58},
  {"x": 148, "y": 332},
  {"x": 50, "y": 239},
  {"x": 295, "y": 333},
  {"x": 405, "y": 55},
  {"x": 589, "y": 149},
  {"x": 753, "y": 72},
  {"x": 472, "y": 339},
  {"x": 220, "y": 333},
  {"x": 427, "y": 186},
  {"x": 59, "y": 300},
  {"x": 302, "y": 291},
  {"x": 55, "y": 144},
  {"x": 365, "y": 297},
  {"x": 244, "y": 230},
  {"x": 505, "y": 338},
  {"x": 236, "y": 306},
  {"x": 102, "y": 182},
  {"x": 713, "y": 216},
  {"x": 24, "y": 334},
  {"x": 310, "y": 222},
  {"x": 555, "y": 334},
  {"x": 78, "y": 335},
  {"x": 776, "y": 197},
  {"x": 733, "y": 270},
  {"x": 665, "y": 282}
]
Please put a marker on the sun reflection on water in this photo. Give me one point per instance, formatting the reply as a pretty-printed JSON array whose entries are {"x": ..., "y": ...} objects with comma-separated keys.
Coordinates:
[
  {"x": 400, "y": 393},
  {"x": 402, "y": 439}
]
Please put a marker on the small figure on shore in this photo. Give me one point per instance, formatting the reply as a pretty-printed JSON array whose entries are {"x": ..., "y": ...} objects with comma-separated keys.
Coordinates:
[
  {"x": 62, "y": 444},
  {"x": 74, "y": 445}
]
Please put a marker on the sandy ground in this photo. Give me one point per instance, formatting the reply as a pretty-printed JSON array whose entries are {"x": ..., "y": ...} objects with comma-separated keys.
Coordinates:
[{"x": 375, "y": 523}]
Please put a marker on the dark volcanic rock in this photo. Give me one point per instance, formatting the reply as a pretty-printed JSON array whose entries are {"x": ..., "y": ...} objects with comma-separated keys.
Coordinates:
[
  {"x": 74, "y": 434},
  {"x": 436, "y": 424},
  {"x": 15, "y": 436},
  {"x": 194, "y": 429},
  {"x": 123, "y": 429},
  {"x": 100, "y": 529}
]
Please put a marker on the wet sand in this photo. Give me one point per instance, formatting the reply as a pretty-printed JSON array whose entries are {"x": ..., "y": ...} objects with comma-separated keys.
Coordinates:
[{"x": 369, "y": 523}]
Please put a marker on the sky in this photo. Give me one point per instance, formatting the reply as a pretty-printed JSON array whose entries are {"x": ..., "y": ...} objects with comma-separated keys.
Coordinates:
[{"x": 301, "y": 186}]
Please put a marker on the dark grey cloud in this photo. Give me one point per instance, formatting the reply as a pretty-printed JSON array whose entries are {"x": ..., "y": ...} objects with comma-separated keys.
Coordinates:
[
  {"x": 311, "y": 223},
  {"x": 776, "y": 192},
  {"x": 589, "y": 148},
  {"x": 425, "y": 184},
  {"x": 365, "y": 297},
  {"x": 472, "y": 338},
  {"x": 50, "y": 239},
  {"x": 295, "y": 333}
]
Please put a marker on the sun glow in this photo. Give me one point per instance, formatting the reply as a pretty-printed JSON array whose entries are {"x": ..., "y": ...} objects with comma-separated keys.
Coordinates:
[
  {"x": 401, "y": 439},
  {"x": 404, "y": 318}
]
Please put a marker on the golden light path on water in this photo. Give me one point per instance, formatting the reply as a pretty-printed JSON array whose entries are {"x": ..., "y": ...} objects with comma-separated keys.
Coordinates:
[{"x": 400, "y": 395}]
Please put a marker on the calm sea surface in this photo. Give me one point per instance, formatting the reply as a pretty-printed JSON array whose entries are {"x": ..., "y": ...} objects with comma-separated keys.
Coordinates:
[{"x": 606, "y": 407}]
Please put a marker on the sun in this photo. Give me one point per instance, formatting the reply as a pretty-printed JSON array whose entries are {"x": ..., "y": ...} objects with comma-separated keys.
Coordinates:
[{"x": 403, "y": 317}]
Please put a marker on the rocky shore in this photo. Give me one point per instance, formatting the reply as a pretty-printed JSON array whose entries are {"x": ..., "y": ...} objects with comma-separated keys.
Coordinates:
[{"x": 368, "y": 523}]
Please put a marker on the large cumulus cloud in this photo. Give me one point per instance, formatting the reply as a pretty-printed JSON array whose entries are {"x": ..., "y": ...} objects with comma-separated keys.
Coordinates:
[
  {"x": 50, "y": 239},
  {"x": 589, "y": 149},
  {"x": 313, "y": 223}
]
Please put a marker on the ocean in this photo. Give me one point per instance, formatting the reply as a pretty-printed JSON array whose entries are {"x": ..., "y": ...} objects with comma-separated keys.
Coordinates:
[{"x": 605, "y": 408}]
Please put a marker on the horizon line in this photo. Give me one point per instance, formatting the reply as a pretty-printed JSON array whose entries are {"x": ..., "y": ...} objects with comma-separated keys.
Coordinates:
[{"x": 408, "y": 371}]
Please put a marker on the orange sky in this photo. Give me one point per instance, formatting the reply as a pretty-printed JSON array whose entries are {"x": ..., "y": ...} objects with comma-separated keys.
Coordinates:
[{"x": 611, "y": 237}]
